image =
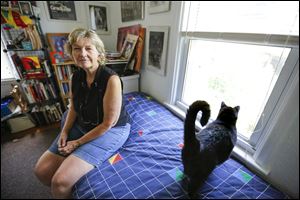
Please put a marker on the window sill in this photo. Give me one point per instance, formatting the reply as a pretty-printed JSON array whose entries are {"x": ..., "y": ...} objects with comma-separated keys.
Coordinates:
[
  {"x": 246, "y": 158},
  {"x": 241, "y": 151}
]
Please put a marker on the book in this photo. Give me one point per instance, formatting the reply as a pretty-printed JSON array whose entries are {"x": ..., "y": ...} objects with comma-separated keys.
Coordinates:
[
  {"x": 46, "y": 68},
  {"x": 31, "y": 63},
  {"x": 112, "y": 54}
]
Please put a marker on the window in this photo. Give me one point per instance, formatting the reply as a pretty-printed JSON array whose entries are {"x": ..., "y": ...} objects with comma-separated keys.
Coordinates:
[
  {"x": 7, "y": 71},
  {"x": 239, "y": 53}
]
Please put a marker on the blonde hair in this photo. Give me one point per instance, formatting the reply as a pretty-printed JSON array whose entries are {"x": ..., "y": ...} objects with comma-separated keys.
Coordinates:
[{"x": 79, "y": 33}]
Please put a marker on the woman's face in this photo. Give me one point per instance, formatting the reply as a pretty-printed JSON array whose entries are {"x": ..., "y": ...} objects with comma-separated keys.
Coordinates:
[{"x": 85, "y": 53}]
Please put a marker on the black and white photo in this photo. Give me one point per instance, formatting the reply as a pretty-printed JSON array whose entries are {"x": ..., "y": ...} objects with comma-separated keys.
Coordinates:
[
  {"x": 132, "y": 10},
  {"x": 98, "y": 17},
  {"x": 25, "y": 8},
  {"x": 62, "y": 10},
  {"x": 158, "y": 6},
  {"x": 157, "y": 42}
]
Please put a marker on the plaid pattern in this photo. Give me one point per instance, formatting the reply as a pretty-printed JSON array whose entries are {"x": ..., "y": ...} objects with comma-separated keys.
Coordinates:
[{"x": 149, "y": 164}]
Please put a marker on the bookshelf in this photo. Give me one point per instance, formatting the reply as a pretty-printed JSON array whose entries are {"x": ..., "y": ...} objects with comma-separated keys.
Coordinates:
[
  {"x": 63, "y": 72},
  {"x": 25, "y": 46}
]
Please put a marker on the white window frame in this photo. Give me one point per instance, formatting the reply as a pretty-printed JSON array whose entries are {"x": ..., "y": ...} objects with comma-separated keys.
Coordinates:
[
  {"x": 5, "y": 55},
  {"x": 286, "y": 41}
]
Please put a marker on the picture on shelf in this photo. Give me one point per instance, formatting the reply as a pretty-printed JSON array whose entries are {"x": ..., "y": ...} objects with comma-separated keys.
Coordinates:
[
  {"x": 122, "y": 33},
  {"x": 32, "y": 68},
  {"x": 25, "y": 8},
  {"x": 127, "y": 49},
  {"x": 31, "y": 63},
  {"x": 56, "y": 42},
  {"x": 57, "y": 57}
]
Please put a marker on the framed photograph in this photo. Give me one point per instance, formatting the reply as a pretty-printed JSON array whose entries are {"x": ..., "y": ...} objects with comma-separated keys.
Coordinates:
[
  {"x": 132, "y": 10},
  {"x": 62, "y": 10},
  {"x": 56, "y": 42},
  {"x": 122, "y": 33},
  {"x": 159, "y": 6},
  {"x": 98, "y": 17},
  {"x": 25, "y": 8},
  {"x": 156, "y": 51},
  {"x": 128, "y": 46}
]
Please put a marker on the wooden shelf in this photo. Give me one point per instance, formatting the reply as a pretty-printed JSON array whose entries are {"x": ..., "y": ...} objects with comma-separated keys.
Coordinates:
[{"x": 64, "y": 63}]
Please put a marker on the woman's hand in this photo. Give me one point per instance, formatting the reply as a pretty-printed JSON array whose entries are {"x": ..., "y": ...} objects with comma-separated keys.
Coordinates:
[
  {"x": 62, "y": 141},
  {"x": 69, "y": 147}
]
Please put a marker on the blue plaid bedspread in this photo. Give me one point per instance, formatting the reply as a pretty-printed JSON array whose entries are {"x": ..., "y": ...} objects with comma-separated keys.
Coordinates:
[{"x": 149, "y": 164}]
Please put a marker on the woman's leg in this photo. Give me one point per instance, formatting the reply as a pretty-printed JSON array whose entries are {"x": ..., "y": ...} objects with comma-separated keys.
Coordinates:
[
  {"x": 70, "y": 171},
  {"x": 47, "y": 166}
]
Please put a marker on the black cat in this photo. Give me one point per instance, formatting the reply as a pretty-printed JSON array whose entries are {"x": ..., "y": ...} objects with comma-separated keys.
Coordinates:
[{"x": 203, "y": 151}]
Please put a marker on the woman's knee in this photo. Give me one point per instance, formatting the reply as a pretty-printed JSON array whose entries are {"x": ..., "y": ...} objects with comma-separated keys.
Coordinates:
[
  {"x": 60, "y": 183},
  {"x": 41, "y": 171},
  {"x": 46, "y": 167}
]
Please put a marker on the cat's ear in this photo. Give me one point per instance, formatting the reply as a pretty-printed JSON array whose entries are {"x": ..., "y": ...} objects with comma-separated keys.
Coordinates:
[
  {"x": 223, "y": 104},
  {"x": 237, "y": 108}
]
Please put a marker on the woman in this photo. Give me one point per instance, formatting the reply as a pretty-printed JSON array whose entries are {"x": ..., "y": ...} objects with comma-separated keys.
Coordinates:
[{"x": 95, "y": 125}]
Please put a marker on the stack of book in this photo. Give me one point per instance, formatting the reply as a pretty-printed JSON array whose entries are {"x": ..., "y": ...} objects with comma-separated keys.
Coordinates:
[
  {"x": 126, "y": 52},
  {"x": 47, "y": 114}
]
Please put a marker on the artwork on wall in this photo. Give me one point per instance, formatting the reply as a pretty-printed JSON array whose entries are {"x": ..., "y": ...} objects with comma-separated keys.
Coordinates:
[
  {"x": 56, "y": 42},
  {"x": 158, "y": 6},
  {"x": 98, "y": 17},
  {"x": 25, "y": 8},
  {"x": 156, "y": 52},
  {"x": 132, "y": 10},
  {"x": 62, "y": 10}
]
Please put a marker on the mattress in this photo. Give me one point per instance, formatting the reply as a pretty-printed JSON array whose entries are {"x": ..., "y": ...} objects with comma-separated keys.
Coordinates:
[{"x": 149, "y": 163}]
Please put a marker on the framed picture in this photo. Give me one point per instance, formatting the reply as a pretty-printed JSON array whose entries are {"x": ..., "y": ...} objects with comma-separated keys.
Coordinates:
[
  {"x": 56, "y": 42},
  {"x": 122, "y": 33},
  {"x": 62, "y": 10},
  {"x": 128, "y": 46},
  {"x": 156, "y": 51},
  {"x": 159, "y": 6},
  {"x": 132, "y": 10},
  {"x": 25, "y": 8},
  {"x": 98, "y": 17}
]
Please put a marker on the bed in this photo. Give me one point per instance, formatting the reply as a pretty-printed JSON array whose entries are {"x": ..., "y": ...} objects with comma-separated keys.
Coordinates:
[{"x": 149, "y": 166}]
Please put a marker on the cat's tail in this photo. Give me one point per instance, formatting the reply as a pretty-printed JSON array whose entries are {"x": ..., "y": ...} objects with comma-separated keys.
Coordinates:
[{"x": 189, "y": 123}]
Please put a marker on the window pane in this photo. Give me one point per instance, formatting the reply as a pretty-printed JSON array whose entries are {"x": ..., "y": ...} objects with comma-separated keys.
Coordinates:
[
  {"x": 238, "y": 74},
  {"x": 272, "y": 17},
  {"x": 6, "y": 71}
]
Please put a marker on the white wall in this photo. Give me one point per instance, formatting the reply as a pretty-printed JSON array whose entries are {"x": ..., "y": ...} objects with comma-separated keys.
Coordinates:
[
  {"x": 280, "y": 153},
  {"x": 65, "y": 26}
]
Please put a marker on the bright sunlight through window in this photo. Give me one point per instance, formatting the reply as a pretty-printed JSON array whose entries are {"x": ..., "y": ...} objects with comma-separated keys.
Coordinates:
[{"x": 243, "y": 76}]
